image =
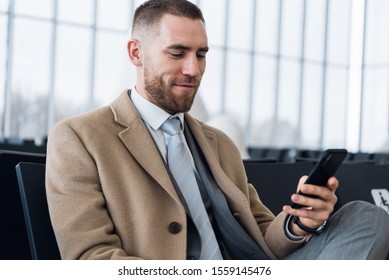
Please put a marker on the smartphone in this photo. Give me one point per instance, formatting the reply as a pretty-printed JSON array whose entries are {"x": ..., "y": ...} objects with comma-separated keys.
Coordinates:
[{"x": 324, "y": 169}]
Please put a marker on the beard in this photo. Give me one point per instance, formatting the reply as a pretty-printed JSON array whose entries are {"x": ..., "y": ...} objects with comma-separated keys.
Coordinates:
[{"x": 161, "y": 93}]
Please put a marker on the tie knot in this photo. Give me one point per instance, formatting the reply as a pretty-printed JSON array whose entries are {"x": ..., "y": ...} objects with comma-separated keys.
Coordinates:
[{"x": 171, "y": 126}]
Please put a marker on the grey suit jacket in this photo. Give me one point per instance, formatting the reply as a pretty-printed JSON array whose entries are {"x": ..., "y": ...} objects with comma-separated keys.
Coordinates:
[{"x": 111, "y": 197}]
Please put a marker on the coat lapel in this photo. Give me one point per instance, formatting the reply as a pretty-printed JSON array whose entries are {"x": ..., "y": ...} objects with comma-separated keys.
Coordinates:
[
  {"x": 139, "y": 142},
  {"x": 207, "y": 142}
]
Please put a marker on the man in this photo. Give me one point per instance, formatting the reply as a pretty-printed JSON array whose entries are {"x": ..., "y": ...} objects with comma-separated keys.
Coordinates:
[{"x": 113, "y": 189}]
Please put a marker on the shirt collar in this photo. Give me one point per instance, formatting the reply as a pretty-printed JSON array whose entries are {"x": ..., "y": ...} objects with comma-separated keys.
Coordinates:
[{"x": 153, "y": 115}]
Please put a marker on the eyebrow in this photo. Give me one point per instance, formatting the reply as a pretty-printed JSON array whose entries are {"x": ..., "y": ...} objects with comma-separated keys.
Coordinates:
[{"x": 186, "y": 48}]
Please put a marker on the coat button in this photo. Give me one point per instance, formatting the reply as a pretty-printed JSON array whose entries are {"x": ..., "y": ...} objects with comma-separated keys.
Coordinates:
[{"x": 174, "y": 227}]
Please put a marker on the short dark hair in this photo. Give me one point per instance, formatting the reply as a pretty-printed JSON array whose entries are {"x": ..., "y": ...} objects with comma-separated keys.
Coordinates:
[{"x": 150, "y": 12}]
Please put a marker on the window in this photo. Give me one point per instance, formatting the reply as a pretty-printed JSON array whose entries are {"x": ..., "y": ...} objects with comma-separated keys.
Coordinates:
[{"x": 303, "y": 73}]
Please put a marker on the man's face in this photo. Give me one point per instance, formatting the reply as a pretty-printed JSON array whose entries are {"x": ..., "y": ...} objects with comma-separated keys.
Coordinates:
[{"x": 174, "y": 63}]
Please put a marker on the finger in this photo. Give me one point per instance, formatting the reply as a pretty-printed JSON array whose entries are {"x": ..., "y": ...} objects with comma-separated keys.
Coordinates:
[
  {"x": 323, "y": 198},
  {"x": 301, "y": 182},
  {"x": 324, "y": 193},
  {"x": 308, "y": 217},
  {"x": 315, "y": 202},
  {"x": 333, "y": 184}
]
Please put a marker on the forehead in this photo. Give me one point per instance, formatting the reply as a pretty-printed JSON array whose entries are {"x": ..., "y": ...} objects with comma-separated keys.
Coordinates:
[{"x": 183, "y": 31}]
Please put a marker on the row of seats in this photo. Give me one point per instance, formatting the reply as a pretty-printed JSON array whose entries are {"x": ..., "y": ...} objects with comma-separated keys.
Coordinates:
[
  {"x": 264, "y": 154},
  {"x": 23, "y": 145},
  {"x": 287, "y": 155}
]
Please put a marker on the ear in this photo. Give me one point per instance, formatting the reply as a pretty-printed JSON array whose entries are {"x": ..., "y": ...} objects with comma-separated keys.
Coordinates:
[{"x": 134, "y": 52}]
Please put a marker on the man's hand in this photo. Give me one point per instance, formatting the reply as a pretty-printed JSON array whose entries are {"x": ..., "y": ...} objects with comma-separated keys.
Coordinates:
[{"x": 315, "y": 211}]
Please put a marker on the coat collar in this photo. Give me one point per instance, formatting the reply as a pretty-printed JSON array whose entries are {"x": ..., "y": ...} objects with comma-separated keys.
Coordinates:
[
  {"x": 136, "y": 137},
  {"x": 139, "y": 142}
]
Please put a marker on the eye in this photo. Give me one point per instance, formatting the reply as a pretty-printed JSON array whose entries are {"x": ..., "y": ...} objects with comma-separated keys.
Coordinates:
[
  {"x": 201, "y": 55},
  {"x": 177, "y": 55}
]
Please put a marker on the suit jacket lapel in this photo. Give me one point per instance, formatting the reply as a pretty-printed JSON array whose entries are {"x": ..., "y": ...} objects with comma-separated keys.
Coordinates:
[{"x": 139, "y": 142}]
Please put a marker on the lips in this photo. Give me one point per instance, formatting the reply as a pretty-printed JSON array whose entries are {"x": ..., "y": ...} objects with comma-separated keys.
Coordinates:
[
  {"x": 190, "y": 83},
  {"x": 185, "y": 85}
]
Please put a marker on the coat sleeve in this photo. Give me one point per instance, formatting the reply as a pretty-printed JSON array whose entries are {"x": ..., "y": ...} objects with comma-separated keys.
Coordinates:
[{"x": 81, "y": 223}]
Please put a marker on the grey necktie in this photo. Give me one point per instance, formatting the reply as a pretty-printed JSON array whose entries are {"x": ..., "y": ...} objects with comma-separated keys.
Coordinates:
[{"x": 179, "y": 163}]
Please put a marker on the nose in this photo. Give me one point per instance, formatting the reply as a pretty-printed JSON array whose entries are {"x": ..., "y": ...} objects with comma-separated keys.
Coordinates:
[{"x": 192, "y": 66}]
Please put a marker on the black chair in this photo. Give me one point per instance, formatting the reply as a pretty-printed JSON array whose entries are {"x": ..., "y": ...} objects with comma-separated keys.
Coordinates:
[
  {"x": 308, "y": 155},
  {"x": 275, "y": 182},
  {"x": 31, "y": 179},
  {"x": 272, "y": 154},
  {"x": 364, "y": 182},
  {"x": 13, "y": 233},
  {"x": 380, "y": 158},
  {"x": 359, "y": 158},
  {"x": 22, "y": 145}
]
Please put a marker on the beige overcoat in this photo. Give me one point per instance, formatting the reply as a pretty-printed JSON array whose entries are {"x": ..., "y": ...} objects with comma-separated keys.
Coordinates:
[{"x": 110, "y": 196}]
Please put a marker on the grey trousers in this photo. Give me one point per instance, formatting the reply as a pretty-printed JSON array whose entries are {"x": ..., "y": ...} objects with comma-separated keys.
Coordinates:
[{"x": 357, "y": 231}]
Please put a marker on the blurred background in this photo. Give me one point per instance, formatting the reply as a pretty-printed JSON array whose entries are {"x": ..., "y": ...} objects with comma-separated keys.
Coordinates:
[{"x": 301, "y": 74}]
